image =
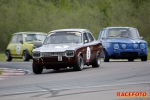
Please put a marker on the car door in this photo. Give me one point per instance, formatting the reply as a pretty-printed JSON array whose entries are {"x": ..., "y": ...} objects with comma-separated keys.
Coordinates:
[
  {"x": 92, "y": 46},
  {"x": 86, "y": 53},
  {"x": 102, "y": 39},
  {"x": 19, "y": 45},
  {"x": 12, "y": 45},
  {"x": 102, "y": 36}
]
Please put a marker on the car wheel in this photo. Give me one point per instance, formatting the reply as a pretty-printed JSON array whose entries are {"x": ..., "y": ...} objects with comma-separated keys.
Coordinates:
[
  {"x": 144, "y": 58},
  {"x": 106, "y": 57},
  {"x": 130, "y": 59},
  {"x": 8, "y": 56},
  {"x": 79, "y": 64},
  {"x": 97, "y": 61},
  {"x": 25, "y": 56},
  {"x": 37, "y": 69}
]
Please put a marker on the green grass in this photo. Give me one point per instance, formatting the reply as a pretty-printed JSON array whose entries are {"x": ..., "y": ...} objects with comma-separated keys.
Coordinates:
[
  {"x": 2, "y": 58},
  {"x": 1, "y": 72}
]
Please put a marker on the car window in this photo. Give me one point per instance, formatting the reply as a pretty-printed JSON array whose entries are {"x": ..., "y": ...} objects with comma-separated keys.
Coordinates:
[
  {"x": 102, "y": 35},
  {"x": 85, "y": 38},
  {"x": 14, "y": 39},
  {"x": 19, "y": 38},
  {"x": 91, "y": 38},
  {"x": 123, "y": 33},
  {"x": 34, "y": 37},
  {"x": 63, "y": 37},
  {"x": 118, "y": 33},
  {"x": 134, "y": 33}
]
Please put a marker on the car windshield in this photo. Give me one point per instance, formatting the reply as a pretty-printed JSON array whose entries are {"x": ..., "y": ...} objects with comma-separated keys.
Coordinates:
[
  {"x": 123, "y": 33},
  {"x": 63, "y": 37},
  {"x": 34, "y": 37}
]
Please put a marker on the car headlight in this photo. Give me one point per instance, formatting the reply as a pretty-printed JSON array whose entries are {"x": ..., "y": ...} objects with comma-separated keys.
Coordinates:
[
  {"x": 135, "y": 46},
  {"x": 36, "y": 54},
  {"x": 69, "y": 53},
  {"x": 142, "y": 46},
  {"x": 123, "y": 46},
  {"x": 116, "y": 46}
]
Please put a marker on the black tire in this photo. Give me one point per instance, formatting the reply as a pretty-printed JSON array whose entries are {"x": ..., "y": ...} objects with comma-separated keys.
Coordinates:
[
  {"x": 144, "y": 58},
  {"x": 37, "y": 69},
  {"x": 25, "y": 56},
  {"x": 79, "y": 64},
  {"x": 130, "y": 59},
  {"x": 8, "y": 56},
  {"x": 106, "y": 57},
  {"x": 97, "y": 61}
]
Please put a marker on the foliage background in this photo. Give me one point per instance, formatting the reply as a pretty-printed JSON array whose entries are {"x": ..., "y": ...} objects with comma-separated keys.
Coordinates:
[{"x": 47, "y": 15}]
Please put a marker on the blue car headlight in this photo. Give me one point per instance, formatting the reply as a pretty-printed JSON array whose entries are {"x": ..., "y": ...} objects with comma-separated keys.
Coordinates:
[
  {"x": 142, "y": 46},
  {"x": 116, "y": 46},
  {"x": 135, "y": 46},
  {"x": 123, "y": 46}
]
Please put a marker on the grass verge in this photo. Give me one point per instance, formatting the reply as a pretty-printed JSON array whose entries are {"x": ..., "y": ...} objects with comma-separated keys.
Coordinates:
[
  {"x": 1, "y": 72},
  {"x": 2, "y": 57}
]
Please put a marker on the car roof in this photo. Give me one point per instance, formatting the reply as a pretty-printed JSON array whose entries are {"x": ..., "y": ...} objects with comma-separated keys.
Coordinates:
[
  {"x": 30, "y": 33},
  {"x": 71, "y": 29},
  {"x": 118, "y": 27}
]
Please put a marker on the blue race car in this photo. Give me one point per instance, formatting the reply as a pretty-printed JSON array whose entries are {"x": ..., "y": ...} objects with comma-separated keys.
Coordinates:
[{"x": 122, "y": 43}]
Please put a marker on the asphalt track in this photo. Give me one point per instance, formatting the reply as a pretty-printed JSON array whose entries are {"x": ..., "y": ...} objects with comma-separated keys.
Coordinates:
[{"x": 101, "y": 83}]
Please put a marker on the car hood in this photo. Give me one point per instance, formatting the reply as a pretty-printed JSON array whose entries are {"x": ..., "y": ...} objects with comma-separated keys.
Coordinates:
[
  {"x": 57, "y": 47},
  {"x": 125, "y": 40},
  {"x": 35, "y": 43}
]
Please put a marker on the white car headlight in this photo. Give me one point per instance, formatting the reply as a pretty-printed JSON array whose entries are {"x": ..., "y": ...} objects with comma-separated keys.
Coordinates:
[
  {"x": 135, "y": 46},
  {"x": 116, "y": 46},
  {"x": 142, "y": 46},
  {"x": 123, "y": 46},
  {"x": 69, "y": 53},
  {"x": 36, "y": 54}
]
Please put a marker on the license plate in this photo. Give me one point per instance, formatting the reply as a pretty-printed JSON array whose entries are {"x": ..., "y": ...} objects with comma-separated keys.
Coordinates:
[{"x": 59, "y": 58}]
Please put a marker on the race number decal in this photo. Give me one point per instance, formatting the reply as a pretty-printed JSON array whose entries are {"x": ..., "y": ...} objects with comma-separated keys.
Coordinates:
[
  {"x": 18, "y": 48},
  {"x": 88, "y": 54}
]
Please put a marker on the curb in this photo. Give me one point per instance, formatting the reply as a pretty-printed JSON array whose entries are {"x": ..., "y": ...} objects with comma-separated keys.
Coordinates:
[{"x": 8, "y": 72}]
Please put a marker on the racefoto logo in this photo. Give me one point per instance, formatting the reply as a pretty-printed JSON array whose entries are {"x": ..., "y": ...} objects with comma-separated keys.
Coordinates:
[{"x": 132, "y": 94}]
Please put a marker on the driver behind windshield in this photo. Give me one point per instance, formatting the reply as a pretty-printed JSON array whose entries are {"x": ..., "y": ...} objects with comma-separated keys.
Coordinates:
[{"x": 124, "y": 34}]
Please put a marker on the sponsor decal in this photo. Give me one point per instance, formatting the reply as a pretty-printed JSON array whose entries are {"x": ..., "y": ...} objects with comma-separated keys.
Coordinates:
[
  {"x": 88, "y": 54},
  {"x": 131, "y": 94},
  {"x": 57, "y": 46},
  {"x": 18, "y": 48},
  {"x": 65, "y": 46}
]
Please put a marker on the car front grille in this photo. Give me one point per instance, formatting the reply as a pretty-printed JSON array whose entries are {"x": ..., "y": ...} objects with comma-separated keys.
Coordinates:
[{"x": 49, "y": 54}]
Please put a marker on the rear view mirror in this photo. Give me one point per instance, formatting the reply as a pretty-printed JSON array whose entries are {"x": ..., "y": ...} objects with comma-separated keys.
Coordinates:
[{"x": 103, "y": 38}]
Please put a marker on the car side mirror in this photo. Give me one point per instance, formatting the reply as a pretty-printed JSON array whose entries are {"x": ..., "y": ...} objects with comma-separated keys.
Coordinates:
[
  {"x": 103, "y": 38},
  {"x": 85, "y": 41},
  {"x": 21, "y": 41},
  {"x": 141, "y": 37}
]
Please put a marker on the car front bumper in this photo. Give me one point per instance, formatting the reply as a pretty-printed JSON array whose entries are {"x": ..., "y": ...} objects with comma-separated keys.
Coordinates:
[
  {"x": 52, "y": 62},
  {"x": 128, "y": 53}
]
